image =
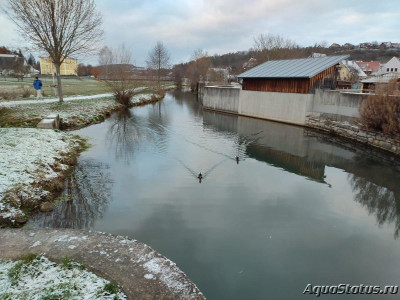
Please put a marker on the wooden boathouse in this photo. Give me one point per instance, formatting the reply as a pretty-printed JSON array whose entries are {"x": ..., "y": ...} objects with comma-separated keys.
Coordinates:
[{"x": 301, "y": 76}]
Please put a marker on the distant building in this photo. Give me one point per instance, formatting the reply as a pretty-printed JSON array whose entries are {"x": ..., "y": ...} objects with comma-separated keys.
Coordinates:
[
  {"x": 11, "y": 63},
  {"x": 368, "y": 45},
  {"x": 389, "y": 45},
  {"x": 250, "y": 64},
  {"x": 369, "y": 84},
  {"x": 369, "y": 67},
  {"x": 315, "y": 54},
  {"x": 68, "y": 68},
  {"x": 8, "y": 62},
  {"x": 348, "y": 46},
  {"x": 348, "y": 69},
  {"x": 334, "y": 45},
  {"x": 392, "y": 66},
  {"x": 293, "y": 75}
]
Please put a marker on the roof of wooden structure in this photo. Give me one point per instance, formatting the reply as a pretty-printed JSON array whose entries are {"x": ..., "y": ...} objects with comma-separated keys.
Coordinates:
[{"x": 293, "y": 68}]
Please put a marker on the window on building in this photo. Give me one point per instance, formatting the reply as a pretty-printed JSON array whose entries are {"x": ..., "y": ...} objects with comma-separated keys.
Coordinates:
[
  {"x": 391, "y": 70},
  {"x": 395, "y": 69},
  {"x": 387, "y": 70}
]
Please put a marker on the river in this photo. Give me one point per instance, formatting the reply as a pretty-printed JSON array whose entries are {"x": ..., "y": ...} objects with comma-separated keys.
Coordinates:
[{"x": 298, "y": 208}]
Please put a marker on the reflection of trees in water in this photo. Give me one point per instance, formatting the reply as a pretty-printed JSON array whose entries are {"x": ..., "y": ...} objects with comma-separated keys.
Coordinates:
[
  {"x": 128, "y": 132},
  {"x": 190, "y": 101},
  {"x": 84, "y": 200},
  {"x": 380, "y": 201},
  {"x": 123, "y": 134}
]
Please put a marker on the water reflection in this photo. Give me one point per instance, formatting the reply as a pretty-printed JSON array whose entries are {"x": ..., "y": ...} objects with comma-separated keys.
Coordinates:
[
  {"x": 308, "y": 153},
  {"x": 123, "y": 134},
  {"x": 378, "y": 200},
  {"x": 127, "y": 133},
  {"x": 85, "y": 198}
]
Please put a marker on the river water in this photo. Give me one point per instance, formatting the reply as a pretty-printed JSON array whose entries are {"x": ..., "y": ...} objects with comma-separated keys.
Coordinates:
[{"x": 297, "y": 209}]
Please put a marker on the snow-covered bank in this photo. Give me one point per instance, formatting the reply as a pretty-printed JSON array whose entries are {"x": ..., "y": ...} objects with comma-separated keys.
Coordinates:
[
  {"x": 30, "y": 161},
  {"x": 74, "y": 114},
  {"x": 39, "y": 278}
]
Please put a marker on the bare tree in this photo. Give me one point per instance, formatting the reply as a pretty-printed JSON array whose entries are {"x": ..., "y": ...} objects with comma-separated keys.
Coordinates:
[
  {"x": 120, "y": 76},
  {"x": 272, "y": 47},
  {"x": 105, "y": 60},
  {"x": 198, "y": 67},
  {"x": 178, "y": 72},
  {"x": 158, "y": 60},
  {"x": 61, "y": 28}
]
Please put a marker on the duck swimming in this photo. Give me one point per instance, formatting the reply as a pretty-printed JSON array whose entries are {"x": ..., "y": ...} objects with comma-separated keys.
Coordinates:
[
  {"x": 237, "y": 159},
  {"x": 200, "y": 176}
]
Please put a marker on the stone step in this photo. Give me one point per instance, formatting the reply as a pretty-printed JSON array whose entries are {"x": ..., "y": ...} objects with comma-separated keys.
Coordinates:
[{"x": 50, "y": 122}]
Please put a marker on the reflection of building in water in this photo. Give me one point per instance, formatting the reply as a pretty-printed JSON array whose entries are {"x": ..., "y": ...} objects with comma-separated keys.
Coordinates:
[
  {"x": 380, "y": 201},
  {"x": 288, "y": 162},
  {"x": 84, "y": 200},
  {"x": 308, "y": 153}
]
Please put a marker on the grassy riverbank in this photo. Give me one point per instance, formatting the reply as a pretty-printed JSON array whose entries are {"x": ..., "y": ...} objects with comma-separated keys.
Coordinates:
[
  {"x": 74, "y": 114},
  {"x": 33, "y": 165}
]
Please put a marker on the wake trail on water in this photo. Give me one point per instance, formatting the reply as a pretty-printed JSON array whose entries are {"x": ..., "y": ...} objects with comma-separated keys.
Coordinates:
[{"x": 246, "y": 142}]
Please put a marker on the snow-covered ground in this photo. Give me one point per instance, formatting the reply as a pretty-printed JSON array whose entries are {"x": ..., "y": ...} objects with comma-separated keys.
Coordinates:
[
  {"x": 40, "y": 278},
  {"x": 52, "y": 100},
  {"x": 28, "y": 157},
  {"x": 73, "y": 113},
  {"x": 66, "y": 99}
]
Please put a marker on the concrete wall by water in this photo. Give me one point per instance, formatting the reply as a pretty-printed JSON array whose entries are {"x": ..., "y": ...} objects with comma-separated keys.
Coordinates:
[
  {"x": 337, "y": 105},
  {"x": 283, "y": 107},
  {"x": 222, "y": 98}
]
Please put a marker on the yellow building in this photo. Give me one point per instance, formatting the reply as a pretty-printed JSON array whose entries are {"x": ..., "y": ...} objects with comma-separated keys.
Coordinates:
[{"x": 68, "y": 67}]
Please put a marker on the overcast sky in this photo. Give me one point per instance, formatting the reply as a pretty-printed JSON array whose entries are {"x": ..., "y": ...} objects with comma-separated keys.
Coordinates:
[{"x": 221, "y": 26}]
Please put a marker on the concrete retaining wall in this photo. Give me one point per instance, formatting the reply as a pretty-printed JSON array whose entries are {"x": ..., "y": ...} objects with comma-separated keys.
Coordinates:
[
  {"x": 337, "y": 105},
  {"x": 283, "y": 107},
  {"x": 222, "y": 98}
]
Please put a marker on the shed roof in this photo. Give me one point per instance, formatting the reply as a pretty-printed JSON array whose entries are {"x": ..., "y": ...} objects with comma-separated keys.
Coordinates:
[{"x": 293, "y": 68}]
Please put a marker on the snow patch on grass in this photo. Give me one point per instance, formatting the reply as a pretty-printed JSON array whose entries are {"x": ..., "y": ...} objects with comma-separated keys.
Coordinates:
[
  {"x": 73, "y": 113},
  {"x": 27, "y": 157},
  {"x": 39, "y": 278}
]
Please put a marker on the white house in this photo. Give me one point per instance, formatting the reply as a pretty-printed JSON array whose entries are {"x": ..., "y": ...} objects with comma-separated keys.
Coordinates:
[
  {"x": 392, "y": 66},
  {"x": 348, "y": 67}
]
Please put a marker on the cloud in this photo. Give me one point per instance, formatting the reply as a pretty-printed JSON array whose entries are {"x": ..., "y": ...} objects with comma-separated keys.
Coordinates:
[{"x": 221, "y": 26}]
